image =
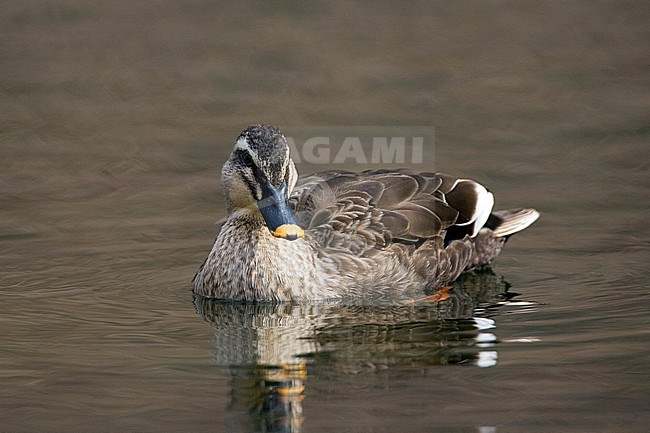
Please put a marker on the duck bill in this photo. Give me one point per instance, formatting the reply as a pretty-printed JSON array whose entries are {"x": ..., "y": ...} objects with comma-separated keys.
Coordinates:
[{"x": 277, "y": 214}]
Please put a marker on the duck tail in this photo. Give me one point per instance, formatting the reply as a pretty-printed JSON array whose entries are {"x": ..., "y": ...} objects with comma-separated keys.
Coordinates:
[{"x": 507, "y": 222}]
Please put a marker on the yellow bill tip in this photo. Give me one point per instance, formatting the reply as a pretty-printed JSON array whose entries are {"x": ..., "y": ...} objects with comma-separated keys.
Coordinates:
[{"x": 289, "y": 232}]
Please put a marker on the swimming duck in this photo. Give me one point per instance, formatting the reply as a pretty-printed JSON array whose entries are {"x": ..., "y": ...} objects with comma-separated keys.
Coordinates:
[{"x": 339, "y": 234}]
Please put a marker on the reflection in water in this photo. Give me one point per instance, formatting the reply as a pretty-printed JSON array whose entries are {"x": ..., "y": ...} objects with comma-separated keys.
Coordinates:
[
  {"x": 267, "y": 347},
  {"x": 267, "y": 399}
]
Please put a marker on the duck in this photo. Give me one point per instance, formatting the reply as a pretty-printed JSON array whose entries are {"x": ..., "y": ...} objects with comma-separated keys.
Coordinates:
[{"x": 338, "y": 234}]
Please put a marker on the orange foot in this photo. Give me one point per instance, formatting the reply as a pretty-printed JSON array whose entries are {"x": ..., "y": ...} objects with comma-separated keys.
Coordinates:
[{"x": 440, "y": 294}]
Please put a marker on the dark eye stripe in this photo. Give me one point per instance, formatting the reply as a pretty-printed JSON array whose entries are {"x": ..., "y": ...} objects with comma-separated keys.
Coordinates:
[
  {"x": 244, "y": 160},
  {"x": 253, "y": 186}
]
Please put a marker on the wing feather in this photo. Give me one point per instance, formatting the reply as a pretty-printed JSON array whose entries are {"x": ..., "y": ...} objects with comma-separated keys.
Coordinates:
[{"x": 360, "y": 213}]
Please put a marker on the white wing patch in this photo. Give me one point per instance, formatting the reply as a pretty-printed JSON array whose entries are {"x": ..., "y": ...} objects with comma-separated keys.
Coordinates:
[
  {"x": 484, "y": 206},
  {"x": 484, "y": 201}
]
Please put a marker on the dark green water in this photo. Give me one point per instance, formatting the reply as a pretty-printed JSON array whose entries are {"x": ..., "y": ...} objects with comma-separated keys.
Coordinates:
[{"x": 115, "y": 118}]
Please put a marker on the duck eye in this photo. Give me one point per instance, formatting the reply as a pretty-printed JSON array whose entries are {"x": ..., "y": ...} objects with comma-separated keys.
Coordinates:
[
  {"x": 245, "y": 158},
  {"x": 246, "y": 161}
]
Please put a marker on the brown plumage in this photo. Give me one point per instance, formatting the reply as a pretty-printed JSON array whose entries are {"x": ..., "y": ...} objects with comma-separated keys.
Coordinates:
[{"x": 376, "y": 233}]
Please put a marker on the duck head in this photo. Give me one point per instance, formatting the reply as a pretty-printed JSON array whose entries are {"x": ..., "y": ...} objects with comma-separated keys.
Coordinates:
[{"x": 260, "y": 175}]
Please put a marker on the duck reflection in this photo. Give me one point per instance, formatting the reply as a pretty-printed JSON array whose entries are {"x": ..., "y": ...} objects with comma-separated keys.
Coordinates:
[{"x": 270, "y": 347}]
